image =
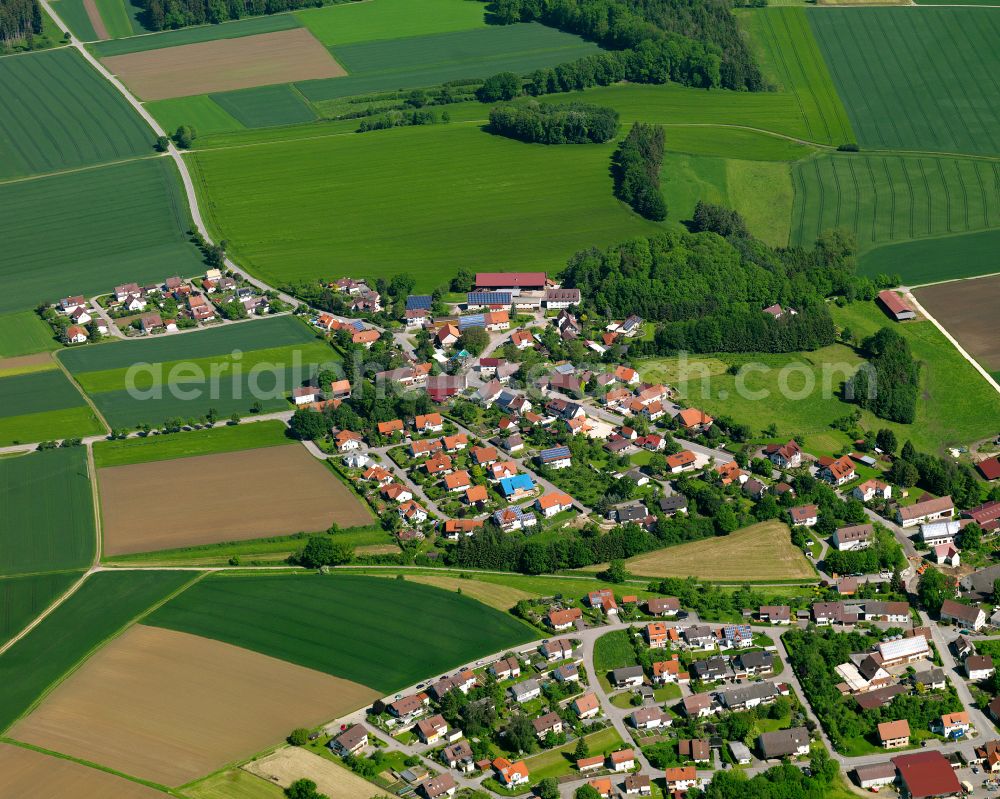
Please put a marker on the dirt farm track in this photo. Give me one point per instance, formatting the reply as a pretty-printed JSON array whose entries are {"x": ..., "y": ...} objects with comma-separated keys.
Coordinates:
[
  {"x": 171, "y": 707},
  {"x": 231, "y": 496},
  {"x": 968, "y": 310}
]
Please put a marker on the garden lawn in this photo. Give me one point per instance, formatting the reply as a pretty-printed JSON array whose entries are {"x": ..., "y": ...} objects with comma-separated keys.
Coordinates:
[
  {"x": 760, "y": 552},
  {"x": 613, "y": 651},
  {"x": 100, "y": 609},
  {"x": 46, "y": 512},
  {"x": 788, "y": 54},
  {"x": 187, "y": 445},
  {"x": 391, "y": 19},
  {"x": 386, "y": 635},
  {"x": 916, "y": 79},
  {"x": 560, "y": 762},
  {"x": 24, "y": 333},
  {"x": 59, "y": 114},
  {"x": 884, "y": 199},
  {"x": 436, "y": 58},
  {"x": 100, "y": 227},
  {"x": 546, "y": 202},
  {"x": 24, "y": 598}
]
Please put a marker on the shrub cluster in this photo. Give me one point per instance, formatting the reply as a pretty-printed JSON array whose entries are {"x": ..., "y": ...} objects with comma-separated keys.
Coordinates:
[{"x": 636, "y": 168}]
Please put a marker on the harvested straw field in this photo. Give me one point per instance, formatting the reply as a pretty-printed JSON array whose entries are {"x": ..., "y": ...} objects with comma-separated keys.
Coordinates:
[
  {"x": 171, "y": 707},
  {"x": 291, "y": 763},
  {"x": 232, "y": 496},
  {"x": 224, "y": 65},
  {"x": 27, "y": 774}
]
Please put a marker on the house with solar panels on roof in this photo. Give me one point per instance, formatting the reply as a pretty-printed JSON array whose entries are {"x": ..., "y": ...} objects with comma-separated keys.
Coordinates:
[
  {"x": 479, "y": 300},
  {"x": 556, "y": 458}
]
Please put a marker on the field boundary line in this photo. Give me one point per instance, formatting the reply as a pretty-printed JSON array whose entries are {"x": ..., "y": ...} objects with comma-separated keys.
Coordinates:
[
  {"x": 90, "y": 764},
  {"x": 953, "y": 279},
  {"x": 100, "y": 644},
  {"x": 79, "y": 388},
  {"x": 87, "y": 168},
  {"x": 96, "y": 499},
  {"x": 975, "y": 364},
  {"x": 45, "y": 613}
]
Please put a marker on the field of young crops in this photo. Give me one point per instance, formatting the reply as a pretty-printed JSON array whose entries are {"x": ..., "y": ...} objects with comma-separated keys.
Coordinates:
[
  {"x": 890, "y": 198},
  {"x": 934, "y": 260},
  {"x": 41, "y": 406},
  {"x": 100, "y": 227},
  {"x": 59, "y": 113},
  {"x": 919, "y": 79},
  {"x": 788, "y": 54},
  {"x": 229, "y": 369}
]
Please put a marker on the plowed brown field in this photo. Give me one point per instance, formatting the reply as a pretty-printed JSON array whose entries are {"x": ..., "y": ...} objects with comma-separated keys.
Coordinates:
[
  {"x": 232, "y": 496},
  {"x": 225, "y": 64},
  {"x": 968, "y": 310},
  {"x": 171, "y": 707}
]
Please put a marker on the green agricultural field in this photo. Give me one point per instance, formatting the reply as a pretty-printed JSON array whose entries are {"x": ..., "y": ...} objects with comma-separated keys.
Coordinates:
[
  {"x": 391, "y": 19},
  {"x": 278, "y": 331},
  {"x": 37, "y": 392},
  {"x": 100, "y": 227},
  {"x": 885, "y": 199},
  {"x": 59, "y": 113},
  {"x": 933, "y": 260},
  {"x": 236, "y": 29},
  {"x": 261, "y": 551},
  {"x": 225, "y": 368},
  {"x": 50, "y": 425},
  {"x": 75, "y": 16},
  {"x": 789, "y": 55},
  {"x": 916, "y": 79},
  {"x": 296, "y": 210},
  {"x": 760, "y": 191},
  {"x": 116, "y": 18},
  {"x": 749, "y": 145},
  {"x": 264, "y": 106},
  {"x": 200, "y": 111},
  {"x": 47, "y": 522},
  {"x": 350, "y": 626},
  {"x": 435, "y": 58},
  {"x": 24, "y": 333},
  {"x": 100, "y": 609},
  {"x": 188, "y": 445},
  {"x": 40, "y": 406},
  {"x": 22, "y": 599}
]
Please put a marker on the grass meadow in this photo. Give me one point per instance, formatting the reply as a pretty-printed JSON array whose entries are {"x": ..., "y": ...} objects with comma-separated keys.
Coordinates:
[
  {"x": 256, "y": 361},
  {"x": 349, "y": 626},
  {"x": 188, "y": 445},
  {"x": 24, "y": 333},
  {"x": 201, "y": 111},
  {"x": 24, "y": 598},
  {"x": 789, "y": 55},
  {"x": 763, "y": 551},
  {"x": 48, "y": 513},
  {"x": 956, "y": 406},
  {"x": 100, "y": 227},
  {"x": 100, "y": 609},
  {"x": 916, "y": 79},
  {"x": 545, "y": 202},
  {"x": 59, "y": 114}
]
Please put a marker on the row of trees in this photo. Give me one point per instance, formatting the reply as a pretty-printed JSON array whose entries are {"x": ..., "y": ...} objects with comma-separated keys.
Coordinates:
[
  {"x": 572, "y": 123},
  {"x": 636, "y": 170},
  {"x": 164, "y": 14},
  {"x": 698, "y": 41},
  {"x": 888, "y": 387}
]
